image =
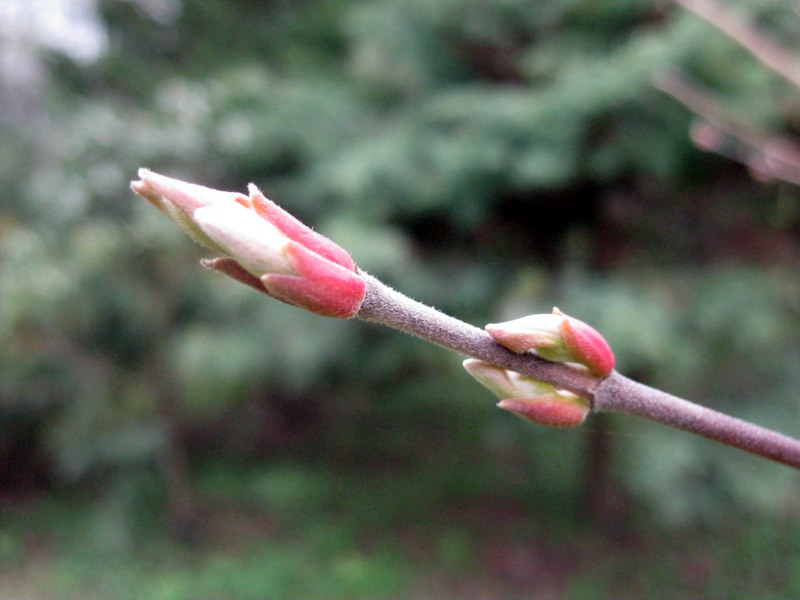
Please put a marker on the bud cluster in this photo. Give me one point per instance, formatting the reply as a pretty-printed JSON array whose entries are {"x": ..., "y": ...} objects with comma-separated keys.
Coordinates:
[
  {"x": 555, "y": 337},
  {"x": 270, "y": 250}
]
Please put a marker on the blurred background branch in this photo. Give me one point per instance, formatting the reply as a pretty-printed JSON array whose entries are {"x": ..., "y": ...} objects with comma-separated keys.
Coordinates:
[
  {"x": 768, "y": 156},
  {"x": 735, "y": 25}
]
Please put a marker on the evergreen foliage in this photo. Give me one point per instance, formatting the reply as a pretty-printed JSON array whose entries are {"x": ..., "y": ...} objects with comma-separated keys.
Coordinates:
[{"x": 491, "y": 158}]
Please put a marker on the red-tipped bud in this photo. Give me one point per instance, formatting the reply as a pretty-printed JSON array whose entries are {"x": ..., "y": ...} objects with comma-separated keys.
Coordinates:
[
  {"x": 269, "y": 249},
  {"x": 320, "y": 285},
  {"x": 553, "y": 411},
  {"x": 558, "y": 338},
  {"x": 539, "y": 332},
  {"x": 586, "y": 345},
  {"x": 528, "y": 398}
]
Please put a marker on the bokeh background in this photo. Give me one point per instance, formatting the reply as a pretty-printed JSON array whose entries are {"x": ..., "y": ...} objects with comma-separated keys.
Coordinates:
[{"x": 166, "y": 433}]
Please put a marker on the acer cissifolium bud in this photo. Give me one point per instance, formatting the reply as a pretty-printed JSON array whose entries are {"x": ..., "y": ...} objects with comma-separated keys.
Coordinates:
[
  {"x": 556, "y": 337},
  {"x": 266, "y": 247},
  {"x": 528, "y": 398}
]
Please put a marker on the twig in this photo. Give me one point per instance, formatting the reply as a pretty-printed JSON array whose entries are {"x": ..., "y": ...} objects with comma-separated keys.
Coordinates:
[
  {"x": 273, "y": 252},
  {"x": 389, "y": 307},
  {"x": 614, "y": 393},
  {"x": 736, "y": 27},
  {"x": 621, "y": 394},
  {"x": 769, "y": 156}
]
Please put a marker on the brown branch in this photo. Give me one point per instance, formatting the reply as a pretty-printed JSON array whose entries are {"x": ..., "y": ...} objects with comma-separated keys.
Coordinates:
[
  {"x": 389, "y": 307},
  {"x": 614, "y": 393},
  {"x": 767, "y": 156},
  {"x": 620, "y": 394},
  {"x": 378, "y": 303}
]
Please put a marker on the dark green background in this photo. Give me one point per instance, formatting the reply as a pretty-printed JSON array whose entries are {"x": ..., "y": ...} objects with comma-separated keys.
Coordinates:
[{"x": 166, "y": 433}]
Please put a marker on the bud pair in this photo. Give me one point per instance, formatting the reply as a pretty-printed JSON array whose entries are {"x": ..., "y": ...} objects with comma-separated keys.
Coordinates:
[
  {"x": 269, "y": 249},
  {"x": 555, "y": 337}
]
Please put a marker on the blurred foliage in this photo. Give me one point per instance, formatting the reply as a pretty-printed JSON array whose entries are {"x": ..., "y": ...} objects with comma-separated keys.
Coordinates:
[{"x": 488, "y": 157}]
